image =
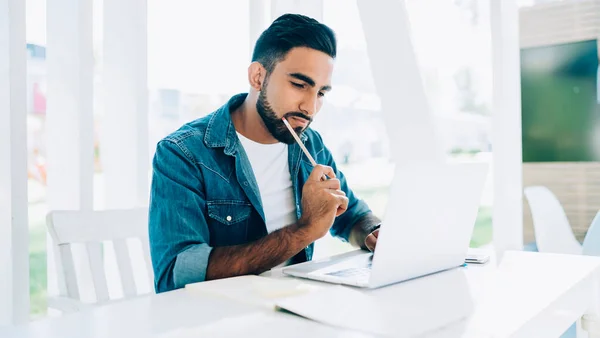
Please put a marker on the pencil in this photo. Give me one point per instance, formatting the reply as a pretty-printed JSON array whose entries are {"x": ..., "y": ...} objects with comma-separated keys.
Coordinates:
[{"x": 310, "y": 158}]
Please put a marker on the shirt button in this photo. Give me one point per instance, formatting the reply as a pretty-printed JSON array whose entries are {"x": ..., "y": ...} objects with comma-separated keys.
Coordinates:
[{"x": 228, "y": 218}]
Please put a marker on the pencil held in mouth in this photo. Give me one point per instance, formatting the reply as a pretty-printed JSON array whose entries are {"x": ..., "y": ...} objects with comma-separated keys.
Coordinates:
[{"x": 310, "y": 158}]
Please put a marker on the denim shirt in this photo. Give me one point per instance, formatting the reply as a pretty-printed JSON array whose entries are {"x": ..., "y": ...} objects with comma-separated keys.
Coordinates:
[{"x": 204, "y": 195}]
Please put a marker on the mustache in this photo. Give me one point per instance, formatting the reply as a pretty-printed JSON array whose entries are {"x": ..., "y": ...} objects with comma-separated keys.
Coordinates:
[{"x": 297, "y": 114}]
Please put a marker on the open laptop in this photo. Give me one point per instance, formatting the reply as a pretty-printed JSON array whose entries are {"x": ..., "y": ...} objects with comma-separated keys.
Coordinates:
[{"x": 427, "y": 228}]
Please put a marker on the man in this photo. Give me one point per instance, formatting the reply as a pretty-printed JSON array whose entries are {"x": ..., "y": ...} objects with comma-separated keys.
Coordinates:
[{"x": 233, "y": 194}]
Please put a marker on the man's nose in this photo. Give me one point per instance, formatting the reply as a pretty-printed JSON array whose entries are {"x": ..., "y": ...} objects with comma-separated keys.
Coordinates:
[{"x": 309, "y": 106}]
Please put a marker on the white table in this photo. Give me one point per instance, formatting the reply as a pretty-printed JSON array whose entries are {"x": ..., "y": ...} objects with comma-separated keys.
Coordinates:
[{"x": 527, "y": 295}]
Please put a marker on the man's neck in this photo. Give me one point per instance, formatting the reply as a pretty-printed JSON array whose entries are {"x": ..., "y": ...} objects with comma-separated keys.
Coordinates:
[{"x": 248, "y": 122}]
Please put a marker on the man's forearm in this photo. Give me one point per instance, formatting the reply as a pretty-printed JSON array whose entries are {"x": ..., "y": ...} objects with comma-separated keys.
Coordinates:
[
  {"x": 258, "y": 256},
  {"x": 361, "y": 229}
]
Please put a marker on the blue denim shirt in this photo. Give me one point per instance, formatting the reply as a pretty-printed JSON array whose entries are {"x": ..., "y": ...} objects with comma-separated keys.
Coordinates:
[{"x": 204, "y": 195}]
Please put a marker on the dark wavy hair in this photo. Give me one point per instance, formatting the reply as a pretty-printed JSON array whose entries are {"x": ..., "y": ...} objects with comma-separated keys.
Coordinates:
[{"x": 290, "y": 31}]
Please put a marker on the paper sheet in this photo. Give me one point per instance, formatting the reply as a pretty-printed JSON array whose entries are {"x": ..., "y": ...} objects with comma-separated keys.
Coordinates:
[
  {"x": 338, "y": 306},
  {"x": 252, "y": 289}
]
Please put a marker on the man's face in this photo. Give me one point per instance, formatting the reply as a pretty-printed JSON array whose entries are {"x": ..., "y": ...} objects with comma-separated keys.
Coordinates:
[{"x": 294, "y": 90}]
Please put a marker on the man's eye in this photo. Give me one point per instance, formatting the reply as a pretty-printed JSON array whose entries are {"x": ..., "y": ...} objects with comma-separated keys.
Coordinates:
[
  {"x": 321, "y": 94},
  {"x": 297, "y": 85}
]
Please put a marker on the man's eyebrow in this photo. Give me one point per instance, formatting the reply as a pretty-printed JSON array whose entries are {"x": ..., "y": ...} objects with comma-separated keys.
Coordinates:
[{"x": 308, "y": 80}]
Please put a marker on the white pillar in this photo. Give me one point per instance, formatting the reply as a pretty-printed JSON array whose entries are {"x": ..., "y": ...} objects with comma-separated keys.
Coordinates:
[
  {"x": 397, "y": 77},
  {"x": 506, "y": 127},
  {"x": 124, "y": 147},
  {"x": 14, "y": 230},
  {"x": 311, "y": 8},
  {"x": 125, "y": 156},
  {"x": 69, "y": 121}
]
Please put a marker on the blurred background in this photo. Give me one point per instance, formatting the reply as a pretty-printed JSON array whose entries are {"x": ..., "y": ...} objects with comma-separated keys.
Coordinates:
[{"x": 198, "y": 52}]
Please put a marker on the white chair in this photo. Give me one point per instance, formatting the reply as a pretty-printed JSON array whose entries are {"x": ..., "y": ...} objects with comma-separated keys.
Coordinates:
[
  {"x": 591, "y": 243},
  {"x": 553, "y": 232},
  {"x": 92, "y": 228}
]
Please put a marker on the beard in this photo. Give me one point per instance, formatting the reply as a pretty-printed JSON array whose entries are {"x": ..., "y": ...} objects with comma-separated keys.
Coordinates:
[{"x": 274, "y": 123}]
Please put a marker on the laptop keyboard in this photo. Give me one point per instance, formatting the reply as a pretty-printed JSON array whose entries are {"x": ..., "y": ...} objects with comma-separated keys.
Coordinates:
[{"x": 362, "y": 272}]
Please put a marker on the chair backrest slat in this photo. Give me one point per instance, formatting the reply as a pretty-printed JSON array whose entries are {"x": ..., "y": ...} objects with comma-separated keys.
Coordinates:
[
  {"x": 146, "y": 251},
  {"x": 96, "y": 259},
  {"x": 67, "y": 278},
  {"x": 125, "y": 268}
]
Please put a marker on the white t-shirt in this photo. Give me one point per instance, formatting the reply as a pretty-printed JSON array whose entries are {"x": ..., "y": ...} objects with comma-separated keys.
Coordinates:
[{"x": 271, "y": 170}]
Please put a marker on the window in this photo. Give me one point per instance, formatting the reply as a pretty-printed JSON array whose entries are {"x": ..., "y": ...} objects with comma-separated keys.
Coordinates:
[{"x": 452, "y": 45}]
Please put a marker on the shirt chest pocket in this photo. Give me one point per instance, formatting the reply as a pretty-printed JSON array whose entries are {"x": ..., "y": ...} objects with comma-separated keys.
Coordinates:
[{"x": 228, "y": 221}]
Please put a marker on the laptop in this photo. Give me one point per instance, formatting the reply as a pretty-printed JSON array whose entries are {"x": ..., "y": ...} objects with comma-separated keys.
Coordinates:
[{"x": 427, "y": 228}]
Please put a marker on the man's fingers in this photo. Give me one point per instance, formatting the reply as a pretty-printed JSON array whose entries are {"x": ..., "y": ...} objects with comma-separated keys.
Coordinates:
[
  {"x": 337, "y": 192},
  {"x": 343, "y": 200},
  {"x": 319, "y": 171},
  {"x": 343, "y": 204},
  {"x": 333, "y": 184},
  {"x": 371, "y": 242},
  {"x": 328, "y": 171}
]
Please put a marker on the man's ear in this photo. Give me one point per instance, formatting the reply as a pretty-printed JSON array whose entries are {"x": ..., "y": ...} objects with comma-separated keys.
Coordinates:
[{"x": 256, "y": 75}]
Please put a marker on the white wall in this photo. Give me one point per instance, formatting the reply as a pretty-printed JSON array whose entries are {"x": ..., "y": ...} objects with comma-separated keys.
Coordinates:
[
  {"x": 311, "y": 8},
  {"x": 14, "y": 232},
  {"x": 259, "y": 20}
]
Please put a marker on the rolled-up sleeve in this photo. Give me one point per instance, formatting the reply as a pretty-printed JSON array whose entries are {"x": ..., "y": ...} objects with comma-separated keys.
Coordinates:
[{"x": 178, "y": 232}]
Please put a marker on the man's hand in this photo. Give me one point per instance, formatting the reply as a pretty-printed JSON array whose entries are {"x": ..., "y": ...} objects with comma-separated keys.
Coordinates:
[
  {"x": 365, "y": 232},
  {"x": 371, "y": 240},
  {"x": 322, "y": 201}
]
